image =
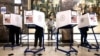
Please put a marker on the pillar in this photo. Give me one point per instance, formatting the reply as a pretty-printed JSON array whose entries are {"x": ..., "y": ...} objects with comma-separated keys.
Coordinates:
[{"x": 29, "y": 4}]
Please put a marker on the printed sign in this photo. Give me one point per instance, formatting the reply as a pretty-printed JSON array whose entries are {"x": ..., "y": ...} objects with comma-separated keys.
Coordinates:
[
  {"x": 28, "y": 17},
  {"x": 3, "y": 10},
  {"x": 74, "y": 19},
  {"x": 93, "y": 18},
  {"x": 7, "y": 18}
]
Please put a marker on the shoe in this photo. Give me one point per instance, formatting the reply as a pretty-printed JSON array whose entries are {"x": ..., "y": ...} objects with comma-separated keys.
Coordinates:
[
  {"x": 17, "y": 44},
  {"x": 39, "y": 54},
  {"x": 11, "y": 54}
]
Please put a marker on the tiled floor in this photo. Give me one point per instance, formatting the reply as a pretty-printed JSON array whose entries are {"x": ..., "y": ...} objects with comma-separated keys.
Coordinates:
[{"x": 49, "y": 51}]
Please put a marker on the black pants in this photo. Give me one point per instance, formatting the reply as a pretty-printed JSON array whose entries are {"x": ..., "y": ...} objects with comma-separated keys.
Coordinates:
[
  {"x": 50, "y": 34},
  {"x": 38, "y": 36},
  {"x": 14, "y": 35},
  {"x": 83, "y": 32}
]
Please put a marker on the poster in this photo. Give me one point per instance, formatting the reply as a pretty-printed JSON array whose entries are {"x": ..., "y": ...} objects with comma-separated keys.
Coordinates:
[{"x": 74, "y": 17}]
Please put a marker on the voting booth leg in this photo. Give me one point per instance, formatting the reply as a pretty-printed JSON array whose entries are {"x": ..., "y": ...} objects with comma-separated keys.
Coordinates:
[
  {"x": 33, "y": 51},
  {"x": 97, "y": 44},
  {"x": 89, "y": 46},
  {"x": 21, "y": 38},
  {"x": 67, "y": 52}
]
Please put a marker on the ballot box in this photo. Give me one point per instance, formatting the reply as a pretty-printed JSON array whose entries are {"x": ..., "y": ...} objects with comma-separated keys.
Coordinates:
[
  {"x": 67, "y": 17},
  {"x": 87, "y": 20},
  {"x": 12, "y": 19},
  {"x": 34, "y": 17}
]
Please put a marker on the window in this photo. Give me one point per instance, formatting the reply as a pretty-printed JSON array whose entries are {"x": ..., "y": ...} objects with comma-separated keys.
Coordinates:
[{"x": 17, "y": 1}]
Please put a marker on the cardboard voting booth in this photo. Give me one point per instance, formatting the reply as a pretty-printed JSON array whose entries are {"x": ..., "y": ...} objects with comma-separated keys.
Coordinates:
[
  {"x": 88, "y": 20},
  {"x": 34, "y": 17},
  {"x": 65, "y": 18},
  {"x": 12, "y": 19}
]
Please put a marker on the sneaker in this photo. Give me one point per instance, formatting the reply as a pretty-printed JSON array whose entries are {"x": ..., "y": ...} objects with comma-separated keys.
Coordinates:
[{"x": 17, "y": 44}]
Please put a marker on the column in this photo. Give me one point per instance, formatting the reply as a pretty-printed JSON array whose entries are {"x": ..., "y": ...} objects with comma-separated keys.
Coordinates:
[{"x": 29, "y": 4}]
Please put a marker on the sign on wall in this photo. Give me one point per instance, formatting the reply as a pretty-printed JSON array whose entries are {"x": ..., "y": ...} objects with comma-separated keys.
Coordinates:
[{"x": 3, "y": 10}]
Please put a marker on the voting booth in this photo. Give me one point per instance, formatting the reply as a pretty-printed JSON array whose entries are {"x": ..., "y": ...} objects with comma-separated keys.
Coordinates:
[
  {"x": 34, "y": 17},
  {"x": 67, "y": 17},
  {"x": 66, "y": 20},
  {"x": 13, "y": 20},
  {"x": 88, "y": 20}
]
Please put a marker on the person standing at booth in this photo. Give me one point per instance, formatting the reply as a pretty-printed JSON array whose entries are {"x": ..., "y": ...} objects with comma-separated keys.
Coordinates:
[
  {"x": 39, "y": 31},
  {"x": 83, "y": 32},
  {"x": 14, "y": 35},
  {"x": 38, "y": 36},
  {"x": 17, "y": 33}
]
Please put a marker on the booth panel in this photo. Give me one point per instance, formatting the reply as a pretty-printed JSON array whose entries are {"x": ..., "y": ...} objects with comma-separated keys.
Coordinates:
[
  {"x": 93, "y": 19},
  {"x": 39, "y": 18},
  {"x": 19, "y": 21},
  {"x": 83, "y": 21},
  {"x": 62, "y": 18},
  {"x": 28, "y": 17},
  {"x": 34, "y": 17},
  {"x": 14, "y": 20},
  {"x": 87, "y": 20},
  {"x": 66, "y": 18},
  {"x": 6, "y": 19},
  {"x": 74, "y": 18}
]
